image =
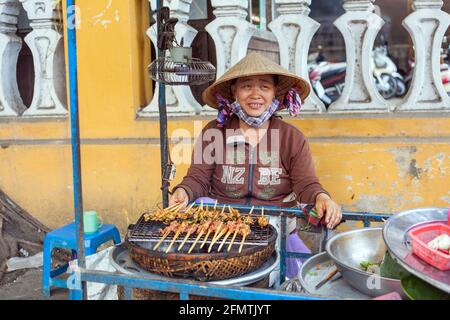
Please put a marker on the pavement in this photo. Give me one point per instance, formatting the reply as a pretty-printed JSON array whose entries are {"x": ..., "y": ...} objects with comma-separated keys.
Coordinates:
[{"x": 28, "y": 287}]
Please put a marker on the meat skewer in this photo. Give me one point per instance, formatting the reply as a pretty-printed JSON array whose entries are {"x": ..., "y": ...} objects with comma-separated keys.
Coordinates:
[
  {"x": 220, "y": 225},
  {"x": 203, "y": 227},
  {"x": 171, "y": 228},
  {"x": 210, "y": 229},
  {"x": 242, "y": 225},
  {"x": 262, "y": 221}
]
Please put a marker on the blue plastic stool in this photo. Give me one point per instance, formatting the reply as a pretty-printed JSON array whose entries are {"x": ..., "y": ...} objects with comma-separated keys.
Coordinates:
[{"x": 65, "y": 238}]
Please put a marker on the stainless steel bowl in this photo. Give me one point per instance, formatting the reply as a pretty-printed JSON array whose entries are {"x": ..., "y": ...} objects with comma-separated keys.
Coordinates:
[{"x": 349, "y": 249}]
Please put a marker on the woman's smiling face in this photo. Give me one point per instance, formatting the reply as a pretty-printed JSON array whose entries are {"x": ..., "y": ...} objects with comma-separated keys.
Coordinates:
[{"x": 254, "y": 93}]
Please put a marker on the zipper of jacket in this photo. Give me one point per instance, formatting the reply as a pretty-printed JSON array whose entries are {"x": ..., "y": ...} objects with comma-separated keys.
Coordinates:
[{"x": 250, "y": 176}]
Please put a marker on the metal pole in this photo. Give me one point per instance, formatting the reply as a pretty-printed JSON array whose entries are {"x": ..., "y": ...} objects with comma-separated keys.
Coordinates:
[
  {"x": 75, "y": 139},
  {"x": 162, "y": 123}
]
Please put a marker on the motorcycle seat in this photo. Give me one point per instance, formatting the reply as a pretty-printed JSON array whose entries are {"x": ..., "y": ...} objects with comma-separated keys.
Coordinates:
[{"x": 333, "y": 72}]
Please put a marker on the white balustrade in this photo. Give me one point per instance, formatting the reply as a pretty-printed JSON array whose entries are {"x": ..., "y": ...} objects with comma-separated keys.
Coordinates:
[
  {"x": 46, "y": 44},
  {"x": 359, "y": 26},
  {"x": 294, "y": 30},
  {"x": 11, "y": 103},
  {"x": 427, "y": 26}
]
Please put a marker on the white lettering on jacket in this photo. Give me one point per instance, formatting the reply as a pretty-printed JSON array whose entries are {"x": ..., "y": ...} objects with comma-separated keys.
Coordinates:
[
  {"x": 269, "y": 176},
  {"x": 233, "y": 175}
]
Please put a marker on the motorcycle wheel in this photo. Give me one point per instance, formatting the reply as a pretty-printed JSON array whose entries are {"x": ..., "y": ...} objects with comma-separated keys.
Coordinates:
[
  {"x": 401, "y": 88},
  {"x": 392, "y": 84}
]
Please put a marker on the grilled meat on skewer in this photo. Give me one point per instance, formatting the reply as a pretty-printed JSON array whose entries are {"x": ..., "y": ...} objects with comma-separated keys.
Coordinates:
[{"x": 166, "y": 231}]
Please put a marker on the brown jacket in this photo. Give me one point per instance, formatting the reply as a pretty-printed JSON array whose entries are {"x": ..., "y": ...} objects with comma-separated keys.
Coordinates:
[{"x": 277, "y": 172}]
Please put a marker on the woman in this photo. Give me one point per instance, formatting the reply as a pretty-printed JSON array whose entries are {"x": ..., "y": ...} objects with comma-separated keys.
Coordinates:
[{"x": 256, "y": 158}]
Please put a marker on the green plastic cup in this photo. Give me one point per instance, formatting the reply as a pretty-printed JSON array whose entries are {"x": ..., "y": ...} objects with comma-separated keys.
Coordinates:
[{"x": 91, "y": 222}]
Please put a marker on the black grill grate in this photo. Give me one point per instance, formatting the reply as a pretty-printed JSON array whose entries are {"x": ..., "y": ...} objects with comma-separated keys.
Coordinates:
[{"x": 150, "y": 231}]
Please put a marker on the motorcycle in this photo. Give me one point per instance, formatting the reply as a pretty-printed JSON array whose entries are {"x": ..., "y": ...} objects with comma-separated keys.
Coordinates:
[
  {"x": 389, "y": 82},
  {"x": 327, "y": 78}
]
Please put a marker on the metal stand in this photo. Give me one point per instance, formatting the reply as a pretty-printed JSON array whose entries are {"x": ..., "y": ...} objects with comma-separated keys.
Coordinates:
[{"x": 163, "y": 126}]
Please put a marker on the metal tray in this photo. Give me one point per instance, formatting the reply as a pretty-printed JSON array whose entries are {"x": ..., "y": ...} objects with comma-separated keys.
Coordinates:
[
  {"x": 395, "y": 234},
  {"x": 317, "y": 268},
  {"x": 122, "y": 262}
]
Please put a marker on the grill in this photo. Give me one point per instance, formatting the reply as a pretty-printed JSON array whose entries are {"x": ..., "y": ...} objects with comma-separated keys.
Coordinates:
[
  {"x": 199, "y": 264},
  {"x": 149, "y": 231}
]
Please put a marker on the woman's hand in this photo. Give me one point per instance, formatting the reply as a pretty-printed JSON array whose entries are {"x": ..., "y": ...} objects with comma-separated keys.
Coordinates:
[
  {"x": 331, "y": 209},
  {"x": 179, "y": 196}
]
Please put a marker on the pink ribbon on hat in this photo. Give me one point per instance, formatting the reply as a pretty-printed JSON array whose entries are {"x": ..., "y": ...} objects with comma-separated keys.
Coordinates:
[
  {"x": 292, "y": 102},
  {"x": 225, "y": 112}
]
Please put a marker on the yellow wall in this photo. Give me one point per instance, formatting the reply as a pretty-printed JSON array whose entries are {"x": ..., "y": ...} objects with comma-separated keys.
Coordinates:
[{"x": 381, "y": 163}]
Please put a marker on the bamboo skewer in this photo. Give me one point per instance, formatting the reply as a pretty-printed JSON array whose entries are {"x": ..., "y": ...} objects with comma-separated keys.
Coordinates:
[
  {"x": 206, "y": 237},
  {"x": 223, "y": 241},
  {"x": 190, "y": 207},
  {"x": 219, "y": 229},
  {"x": 185, "y": 238},
  {"x": 172, "y": 206},
  {"x": 162, "y": 239},
  {"x": 217, "y": 239},
  {"x": 215, "y": 205},
  {"x": 175, "y": 237},
  {"x": 175, "y": 208},
  {"x": 196, "y": 240},
  {"x": 232, "y": 240},
  {"x": 242, "y": 243}
]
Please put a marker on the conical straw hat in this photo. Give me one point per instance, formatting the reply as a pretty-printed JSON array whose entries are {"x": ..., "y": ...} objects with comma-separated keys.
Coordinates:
[{"x": 251, "y": 65}]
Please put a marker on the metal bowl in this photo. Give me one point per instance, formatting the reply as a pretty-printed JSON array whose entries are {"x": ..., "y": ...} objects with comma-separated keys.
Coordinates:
[{"x": 349, "y": 249}]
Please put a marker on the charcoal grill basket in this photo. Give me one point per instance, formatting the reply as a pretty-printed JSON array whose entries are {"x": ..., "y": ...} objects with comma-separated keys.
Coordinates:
[{"x": 201, "y": 265}]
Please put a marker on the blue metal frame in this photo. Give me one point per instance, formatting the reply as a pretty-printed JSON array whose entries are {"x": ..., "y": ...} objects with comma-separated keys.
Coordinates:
[
  {"x": 75, "y": 138},
  {"x": 183, "y": 287}
]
